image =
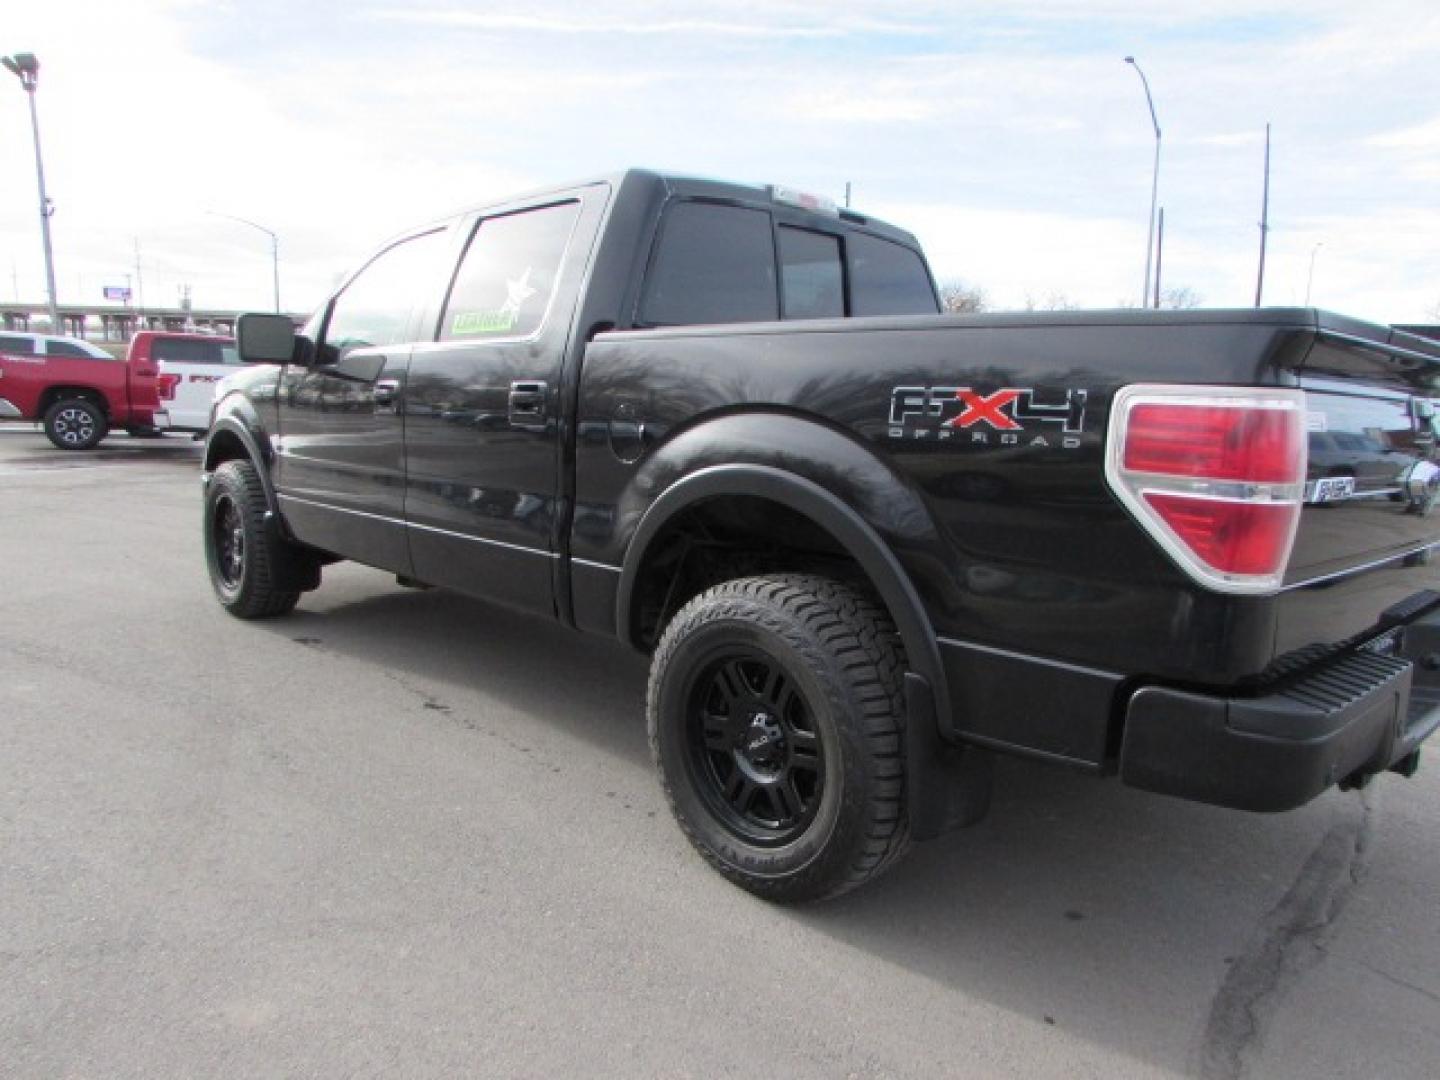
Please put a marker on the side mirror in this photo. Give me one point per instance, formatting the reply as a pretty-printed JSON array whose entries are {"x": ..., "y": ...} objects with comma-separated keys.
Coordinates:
[{"x": 265, "y": 339}]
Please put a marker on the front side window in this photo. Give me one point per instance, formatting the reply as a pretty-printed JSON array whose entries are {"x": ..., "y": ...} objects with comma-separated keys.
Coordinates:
[
  {"x": 508, "y": 274},
  {"x": 888, "y": 279},
  {"x": 375, "y": 308},
  {"x": 715, "y": 264},
  {"x": 810, "y": 274}
]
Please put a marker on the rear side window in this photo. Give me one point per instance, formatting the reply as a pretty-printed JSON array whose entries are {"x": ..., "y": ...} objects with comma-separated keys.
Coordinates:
[
  {"x": 508, "y": 274},
  {"x": 715, "y": 264},
  {"x": 71, "y": 351},
  {"x": 810, "y": 275},
  {"x": 17, "y": 346},
  {"x": 888, "y": 279},
  {"x": 189, "y": 351}
]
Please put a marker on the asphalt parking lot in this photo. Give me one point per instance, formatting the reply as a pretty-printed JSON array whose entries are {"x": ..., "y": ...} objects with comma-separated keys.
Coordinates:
[{"x": 408, "y": 834}]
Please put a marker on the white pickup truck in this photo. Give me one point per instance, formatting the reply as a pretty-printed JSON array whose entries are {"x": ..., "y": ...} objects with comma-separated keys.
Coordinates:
[{"x": 190, "y": 365}]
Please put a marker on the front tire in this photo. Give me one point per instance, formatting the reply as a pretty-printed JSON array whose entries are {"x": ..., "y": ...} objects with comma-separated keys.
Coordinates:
[
  {"x": 775, "y": 714},
  {"x": 252, "y": 570},
  {"x": 75, "y": 424}
]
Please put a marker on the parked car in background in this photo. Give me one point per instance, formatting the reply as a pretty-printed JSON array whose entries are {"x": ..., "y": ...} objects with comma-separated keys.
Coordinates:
[
  {"x": 76, "y": 389},
  {"x": 189, "y": 367}
]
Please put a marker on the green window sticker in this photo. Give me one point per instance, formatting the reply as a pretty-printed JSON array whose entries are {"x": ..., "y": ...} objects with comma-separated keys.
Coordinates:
[{"x": 482, "y": 322}]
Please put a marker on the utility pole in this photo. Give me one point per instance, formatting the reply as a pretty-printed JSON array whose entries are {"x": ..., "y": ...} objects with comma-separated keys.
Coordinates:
[
  {"x": 1264, "y": 221},
  {"x": 847, "y": 194}
]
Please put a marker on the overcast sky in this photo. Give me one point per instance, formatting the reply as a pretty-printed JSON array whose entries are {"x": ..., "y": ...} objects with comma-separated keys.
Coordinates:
[{"x": 1010, "y": 137}]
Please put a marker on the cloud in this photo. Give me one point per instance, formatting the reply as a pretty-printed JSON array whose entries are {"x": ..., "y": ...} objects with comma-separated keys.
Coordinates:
[
  {"x": 1423, "y": 137},
  {"x": 1009, "y": 135},
  {"x": 748, "y": 25}
]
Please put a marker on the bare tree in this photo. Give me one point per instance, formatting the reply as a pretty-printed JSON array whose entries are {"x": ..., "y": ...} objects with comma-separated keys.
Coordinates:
[
  {"x": 958, "y": 298},
  {"x": 1053, "y": 300},
  {"x": 1180, "y": 298}
]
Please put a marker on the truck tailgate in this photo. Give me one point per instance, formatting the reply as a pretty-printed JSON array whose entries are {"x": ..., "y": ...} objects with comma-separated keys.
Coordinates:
[{"x": 1370, "y": 521}]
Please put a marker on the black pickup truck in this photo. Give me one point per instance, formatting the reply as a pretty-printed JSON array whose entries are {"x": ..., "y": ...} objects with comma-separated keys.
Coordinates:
[{"x": 867, "y": 545}]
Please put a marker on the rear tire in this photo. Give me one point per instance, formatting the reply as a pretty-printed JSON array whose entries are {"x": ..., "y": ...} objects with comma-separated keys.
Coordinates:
[
  {"x": 776, "y": 720},
  {"x": 253, "y": 571},
  {"x": 75, "y": 424}
]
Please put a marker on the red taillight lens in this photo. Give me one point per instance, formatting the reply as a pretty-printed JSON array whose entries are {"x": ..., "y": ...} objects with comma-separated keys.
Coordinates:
[
  {"x": 166, "y": 386},
  {"x": 1215, "y": 474},
  {"x": 1217, "y": 443},
  {"x": 1233, "y": 537}
]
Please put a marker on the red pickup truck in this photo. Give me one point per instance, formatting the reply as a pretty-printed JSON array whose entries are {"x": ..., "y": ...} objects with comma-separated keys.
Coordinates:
[{"x": 78, "y": 390}]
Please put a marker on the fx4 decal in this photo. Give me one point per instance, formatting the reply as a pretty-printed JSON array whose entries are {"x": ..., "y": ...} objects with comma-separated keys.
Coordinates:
[{"x": 1012, "y": 416}]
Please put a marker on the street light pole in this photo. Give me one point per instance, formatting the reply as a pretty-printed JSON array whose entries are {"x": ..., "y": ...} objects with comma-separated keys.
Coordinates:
[
  {"x": 26, "y": 68},
  {"x": 274, "y": 250},
  {"x": 1154, "y": 179},
  {"x": 1310, "y": 277}
]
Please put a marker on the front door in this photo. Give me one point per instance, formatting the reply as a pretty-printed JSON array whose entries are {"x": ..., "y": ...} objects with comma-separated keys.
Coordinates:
[{"x": 340, "y": 469}]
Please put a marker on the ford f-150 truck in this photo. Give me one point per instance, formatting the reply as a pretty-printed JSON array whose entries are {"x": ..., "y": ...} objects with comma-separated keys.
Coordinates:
[
  {"x": 188, "y": 367},
  {"x": 868, "y": 546},
  {"x": 76, "y": 389}
]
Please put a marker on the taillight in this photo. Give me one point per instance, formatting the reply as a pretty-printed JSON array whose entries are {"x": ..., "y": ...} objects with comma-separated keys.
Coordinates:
[
  {"x": 165, "y": 384},
  {"x": 1215, "y": 474}
]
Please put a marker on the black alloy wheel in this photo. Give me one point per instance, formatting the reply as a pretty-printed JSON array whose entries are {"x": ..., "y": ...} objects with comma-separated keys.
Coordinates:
[
  {"x": 255, "y": 572},
  {"x": 754, "y": 748},
  {"x": 776, "y": 720},
  {"x": 227, "y": 533}
]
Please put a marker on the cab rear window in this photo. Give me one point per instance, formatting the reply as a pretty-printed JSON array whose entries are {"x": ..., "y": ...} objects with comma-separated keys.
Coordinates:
[
  {"x": 716, "y": 264},
  {"x": 722, "y": 263},
  {"x": 888, "y": 279},
  {"x": 71, "y": 351},
  {"x": 190, "y": 351}
]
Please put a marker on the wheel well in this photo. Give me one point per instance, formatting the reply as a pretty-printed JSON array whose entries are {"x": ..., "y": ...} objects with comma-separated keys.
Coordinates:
[
  {"x": 224, "y": 446},
  {"x": 725, "y": 537},
  {"x": 52, "y": 394}
]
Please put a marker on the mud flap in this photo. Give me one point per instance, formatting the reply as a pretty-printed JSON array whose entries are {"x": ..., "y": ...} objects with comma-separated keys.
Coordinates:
[{"x": 948, "y": 786}]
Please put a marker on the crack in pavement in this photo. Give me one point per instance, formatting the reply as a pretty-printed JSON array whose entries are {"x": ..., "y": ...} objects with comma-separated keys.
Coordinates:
[{"x": 1290, "y": 940}]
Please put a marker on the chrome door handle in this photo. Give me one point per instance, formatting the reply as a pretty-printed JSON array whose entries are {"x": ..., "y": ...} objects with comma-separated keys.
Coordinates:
[
  {"x": 527, "y": 404},
  {"x": 386, "y": 391}
]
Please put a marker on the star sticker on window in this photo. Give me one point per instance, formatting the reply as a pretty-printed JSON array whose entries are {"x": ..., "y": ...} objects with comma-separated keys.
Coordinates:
[{"x": 518, "y": 292}]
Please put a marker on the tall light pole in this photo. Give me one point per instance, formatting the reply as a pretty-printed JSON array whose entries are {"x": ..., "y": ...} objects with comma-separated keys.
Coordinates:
[
  {"x": 1310, "y": 277},
  {"x": 27, "y": 69},
  {"x": 274, "y": 250},
  {"x": 1154, "y": 179}
]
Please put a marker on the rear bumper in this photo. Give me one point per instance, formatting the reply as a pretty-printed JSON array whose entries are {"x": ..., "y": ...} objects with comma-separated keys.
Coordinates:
[{"x": 1353, "y": 717}]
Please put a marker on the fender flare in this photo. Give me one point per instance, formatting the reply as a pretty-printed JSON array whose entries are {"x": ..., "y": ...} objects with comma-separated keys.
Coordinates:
[
  {"x": 860, "y": 541},
  {"x": 230, "y": 425}
]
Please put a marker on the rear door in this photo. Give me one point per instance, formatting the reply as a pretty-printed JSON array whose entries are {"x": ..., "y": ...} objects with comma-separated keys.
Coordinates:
[
  {"x": 482, "y": 402},
  {"x": 19, "y": 381}
]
